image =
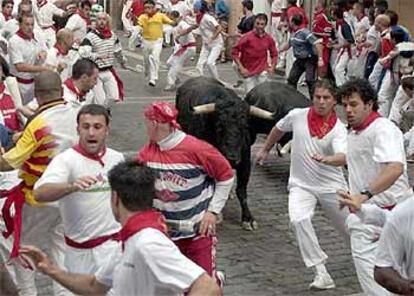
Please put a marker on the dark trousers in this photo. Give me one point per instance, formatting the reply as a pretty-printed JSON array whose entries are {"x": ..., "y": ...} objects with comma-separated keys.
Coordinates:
[
  {"x": 307, "y": 65},
  {"x": 372, "y": 58}
]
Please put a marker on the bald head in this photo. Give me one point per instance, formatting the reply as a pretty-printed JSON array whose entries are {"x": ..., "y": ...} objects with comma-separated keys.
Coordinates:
[
  {"x": 48, "y": 87},
  {"x": 382, "y": 22},
  {"x": 64, "y": 37}
]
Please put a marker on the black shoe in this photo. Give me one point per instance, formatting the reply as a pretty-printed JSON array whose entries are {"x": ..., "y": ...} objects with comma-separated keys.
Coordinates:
[{"x": 151, "y": 83}]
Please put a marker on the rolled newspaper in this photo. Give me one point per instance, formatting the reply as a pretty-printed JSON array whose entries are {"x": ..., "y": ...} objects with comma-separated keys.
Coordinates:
[{"x": 13, "y": 88}]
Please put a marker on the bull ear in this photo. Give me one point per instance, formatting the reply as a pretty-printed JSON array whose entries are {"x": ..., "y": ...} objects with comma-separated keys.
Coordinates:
[
  {"x": 260, "y": 113},
  {"x": 204, "y": 109}
]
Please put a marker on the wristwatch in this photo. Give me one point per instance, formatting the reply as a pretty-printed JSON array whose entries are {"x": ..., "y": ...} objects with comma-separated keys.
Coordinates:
[{"x": 367, "y": 193}]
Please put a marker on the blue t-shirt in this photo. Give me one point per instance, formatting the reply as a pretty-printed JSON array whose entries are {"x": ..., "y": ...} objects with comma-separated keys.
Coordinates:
[{"x": 302, "y": 42}]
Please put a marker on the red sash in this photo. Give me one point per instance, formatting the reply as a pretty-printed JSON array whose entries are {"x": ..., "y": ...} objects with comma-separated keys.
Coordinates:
[
  {"x": 25, "y": 80},
  {"x": 318, "y": 127},
  {"x": 97, "y": 157},
  {"x": 120, "y": 84},
  {"x": 14, "y": 197},
  {"x": 92, "y": 243},
  {"x": 183, "y": 48},
  {"x": 370, "y": 119},
  {"x": 140, "y": 221}
]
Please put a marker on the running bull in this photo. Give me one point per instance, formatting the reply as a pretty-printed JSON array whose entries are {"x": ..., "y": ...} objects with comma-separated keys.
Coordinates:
[{"x": 211, "y": 112}]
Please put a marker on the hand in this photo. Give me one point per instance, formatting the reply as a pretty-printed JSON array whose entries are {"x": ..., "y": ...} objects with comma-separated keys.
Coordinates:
[
  {"x": 270, "y": 70},
  {"x": 124, "y": 65},
  {"x": 320, "y": 63},
  {"x": 353, "y": 202},
  {"x": 244, "y": 72},
  {"x": 208, "y": 224},
  {"x": 40, "y": 260},
  {"x": 41, "y": 56},
  {"x": 61, "y": 67},
  {"x": 84, "y": 183},
  {"x": 261, "y": 156},
  {"x": 16, "y": 136},
  {"x": 321, "y": 158}
]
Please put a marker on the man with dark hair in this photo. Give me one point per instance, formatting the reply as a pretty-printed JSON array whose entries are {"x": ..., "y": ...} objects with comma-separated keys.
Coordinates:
[
  {"x": 150, "y": 263},
  {"x": 44, "y": 136},
  {"x": 77, "y": 178},
  {"x": 303, "y": 43},
  {"x": 80, "y": 21},
  {"x": 377, "y": 173},
  {"x": 6, "y": 12},
  {"x": 246, "y": 23},
  {"x": 318, "y": 152},
  {"x": 194, "y": 181},
  {"x": 77, "y": 90},
  {"x": 251, "y": 54}
]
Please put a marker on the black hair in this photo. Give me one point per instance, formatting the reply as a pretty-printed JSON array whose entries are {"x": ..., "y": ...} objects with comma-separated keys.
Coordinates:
[
  {"x": 175, "y": 14},
  {"x": 326, "y": 84},
  {"x": 297, "y": 19},
  {"x": 134, "y": 184},
  {"x": 248, "y": 4},
  {"x": 93, "y": 109},
  {"x": 83, "y": 66},
  {"x": 151, "y": 2},
  {"x": 84, "y": 3},
  {"x": 5, "y": 2},
  {"x": 361, "y": 87},
  {"x": 393, "y": 17},
  {"x": 262, "y": 16}
]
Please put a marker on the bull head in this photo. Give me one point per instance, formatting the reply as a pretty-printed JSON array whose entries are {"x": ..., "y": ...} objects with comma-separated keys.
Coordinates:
[{"x": 254, "y": 111}]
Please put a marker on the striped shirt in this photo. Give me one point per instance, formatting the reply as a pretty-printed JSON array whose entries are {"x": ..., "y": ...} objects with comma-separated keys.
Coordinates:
[
  {"x": 43, "y": 138},
  {"x": 100, "y": 50},
  {"x": 193, "y": 177}
]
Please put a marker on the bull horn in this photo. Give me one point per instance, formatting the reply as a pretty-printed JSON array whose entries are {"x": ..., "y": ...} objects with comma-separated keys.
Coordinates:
[
  {"x": 204, "y": 109},
  {"x": 258, "y": 112}
]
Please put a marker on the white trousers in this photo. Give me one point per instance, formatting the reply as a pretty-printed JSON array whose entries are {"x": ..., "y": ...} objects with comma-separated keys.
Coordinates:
[
  {"x": 176, "y": 64},
  {"x": 208, "y": 57},
  {"x": 290, "y": 59},
  {"x": 250, "y": 82},
  {"x": 386, "y": 93},
  {"x": 341, "y": 66},
  {"x": 89, "y": 261},
  {"x": 106, "y": 89},
  {"x": 151, "y": 52},
  {"x": 167, "y": 30},
  {"x": 364, "y": 242},
  {"x": 126, "y": 22},
  {"x": 26, "y": 92},
  {"x": 42, "y": 227},
  {"x": 302, "y": 205},
  {"x": 278, "y": 37},
  {"x": 400, "y": 101},
  {"x": 375, "y": 75}
]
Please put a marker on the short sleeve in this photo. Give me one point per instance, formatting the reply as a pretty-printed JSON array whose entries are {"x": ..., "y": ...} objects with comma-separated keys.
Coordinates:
[
  {"x": 56, "y": 172},
  {"x": 388, "y": 144},
  {"x": 72, "y": 23},
  {"x": 339, "y": 142},
  {"x": 167, "y": 20},
  {"x": 311, "y": 38},
  {"x": 390, "y": 251},
  {"x": 105, "y": 273},
  {"x": 51, "y": 59},
  {"x": 16, "y": 54},
  {"x": 286, "y": 123},
  {"x": 166, "y": 262},
  {"x": 211, "y": 21},
  {"x": 24, "y": 148}
]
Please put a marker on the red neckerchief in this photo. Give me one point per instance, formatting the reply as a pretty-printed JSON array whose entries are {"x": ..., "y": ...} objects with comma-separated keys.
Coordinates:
[
  {"x": 97, "y": 157},
  {"x": 60, "y": 50},
  {"x": 7, "y": 16},
  {"x": 199, "y": 17},
  {"x": 105, "y": 33},
  {"x": 2, "y": 87},
  {"x": 84, "y": 17},
  {"x": 41, "y": 3},
  {"x": 140, "y": 221},
  {"x": 360, "y": 18},
  {"x": 370, "y": 119},
  {"x": 24, "y": 36},
  {"x": 318, "y": 127},
  {"x": 79, "y": 93}
]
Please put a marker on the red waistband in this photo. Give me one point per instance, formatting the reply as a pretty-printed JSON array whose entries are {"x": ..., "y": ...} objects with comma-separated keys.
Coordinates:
[
  {"x": 24, "y": 80},
  {"x": 49, "y": 27},
  {"x": 276, "y": 14},
  {"x": 90, "y": 243},
  {"x": 389, "y": 208}
]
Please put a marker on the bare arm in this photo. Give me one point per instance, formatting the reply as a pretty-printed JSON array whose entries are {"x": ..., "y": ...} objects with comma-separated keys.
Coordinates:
[
  {"x": 22, "y": 67},
  {"x": 391, "y": 280},
  {"x": 82, "y": 284},
  {"x": 4, "y": 165},
  {"x": 204, "y": 286},
  {"x": 338, "y": 159},
  {"x": 274, "y": 136}
]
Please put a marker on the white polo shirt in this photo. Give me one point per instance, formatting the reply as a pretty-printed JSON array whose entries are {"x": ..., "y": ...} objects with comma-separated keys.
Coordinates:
[
  {"x": 368, "y": 152},
  {"x": 72, "y": 98},
  {"x": 396, "y": 244},
  {"x": 306, "y": 172},
  {"x": 46, "y": 13},
  {"x": 151, "y": 264},
  {"x": 207, "y": 27},
  {"x": 78, "y": 26},
  {"x": 86, "y": 214},
  {"x": 54, "y": 59}
]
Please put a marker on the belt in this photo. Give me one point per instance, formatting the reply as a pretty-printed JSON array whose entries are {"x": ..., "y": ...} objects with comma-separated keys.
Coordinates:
[
  {"x": 276, "y": 14},
  {"x": 184, "y": 47},
  {"x": 91, "y": 243},
  {"x": 389, "y": 208},
  {"x": 25, "y": 80}
]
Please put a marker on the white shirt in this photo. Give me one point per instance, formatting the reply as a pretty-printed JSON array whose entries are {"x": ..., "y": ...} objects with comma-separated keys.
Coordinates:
[
  {"x": 305, "y": 172},
  {"x": 85, "y": 214},
  {"x": 151, "y": 264},
  {"x": 277, "y": 6},
  {"x": 181, "y": 7},
  {"x": 46, "y": 13},
  {"x": 207, "y": 27},
  {"x": 78, "y": 26},
  {"x": 23, "y": 51},
  {"x": 368, "y": 152},
  {"x": 374, "y": 37},
  {"x": 362, "y": 25},
  {"x": 71, "y": 97},
  {"x": 184, "y": 39},
  {"x": 396, "y": 244},
  {"x": 54, "y": 59}
]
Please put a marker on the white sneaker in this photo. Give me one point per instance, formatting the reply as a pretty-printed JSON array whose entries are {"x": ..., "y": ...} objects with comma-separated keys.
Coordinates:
[
  {"x": 322, "y": 281},
  {"x": 221, "y": 278}
]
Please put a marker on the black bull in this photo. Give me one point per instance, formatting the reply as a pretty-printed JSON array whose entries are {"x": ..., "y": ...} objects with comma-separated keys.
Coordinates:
[{"x": 217, "y": 115}]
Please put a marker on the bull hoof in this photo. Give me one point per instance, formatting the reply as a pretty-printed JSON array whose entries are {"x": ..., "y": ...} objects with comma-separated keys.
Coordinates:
[{"x": 250, "y": 225}]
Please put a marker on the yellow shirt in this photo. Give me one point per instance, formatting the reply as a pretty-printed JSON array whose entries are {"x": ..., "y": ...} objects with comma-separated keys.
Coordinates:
[
  {"x": 152, "y": 26},
  {"x": 50, "y": 132}
]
